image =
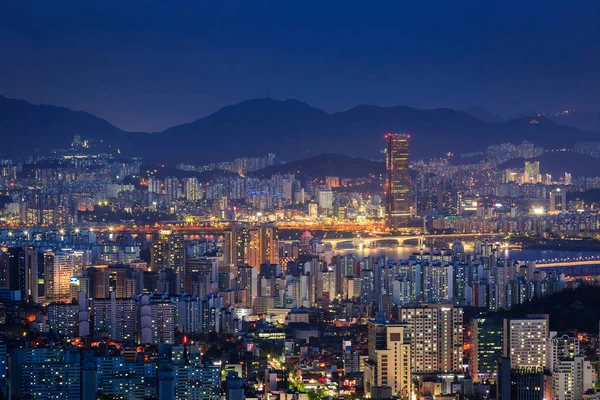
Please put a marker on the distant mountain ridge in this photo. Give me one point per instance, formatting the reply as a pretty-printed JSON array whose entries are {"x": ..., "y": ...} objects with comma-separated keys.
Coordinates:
[
  {"x": 290, "y": 128},
  {"x": 585, "y": 120},
  {"x": 483, "y": 114},
  {"x": 25, "y": 127}
]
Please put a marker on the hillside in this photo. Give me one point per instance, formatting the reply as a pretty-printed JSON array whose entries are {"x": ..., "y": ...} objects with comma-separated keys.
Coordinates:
[
  {"x": 556, "y": 164},
  {"x": 569, "y": 309},
  {"x": 161, "y": 172},
  {"x": 589, "y": 121},
  {"x": 326, "y": 165},
  {"x": 25, "y": 127},
  {"x": 483, "y": 114},
  {"x": 589, "y": 196}
]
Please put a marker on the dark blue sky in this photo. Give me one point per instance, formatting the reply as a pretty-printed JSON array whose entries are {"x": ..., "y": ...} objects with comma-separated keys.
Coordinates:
[{"x": 147, "y": 65}]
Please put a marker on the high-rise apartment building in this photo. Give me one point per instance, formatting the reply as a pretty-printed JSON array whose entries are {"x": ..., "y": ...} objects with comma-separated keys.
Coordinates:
[
  {"x": 247, "y": 280},
  {"x": 252, "y": 246},
  {"x": 388, "y": 368},
  {"x": 325, "y": 199},
  {"x": 58, "y": 270},
  {"x": 118, "y": 378},
  {"x": 154, "y": 185},
  {"x": 436, "y": 336},
  {"x": 571, "y": 373},
  {"x": 156, "y": 320},
  {"x": 197, "y": 382},
  {"x": 529, "y": 342},
  {"x": 397, "y": 183},
  {"x": 235, "y": 243},
  {"x": 115, "y": 318},
  {"x": 12, "y": 268},
  {"x": 558, "y": 200},
  {"x": 34, "y": 274},
  {"x": 46, "y": 373},
  {"x": 192, "y": 189},
  {"x": 521, "y": 383},
  {"x": 263, "y": 247},
  {"x": 167, "y": 251},
  {"x": 532, "y": 172},
  {"x": 172, "y": 188},
  {"x": 63, "y": 319},
  {"x": 437, "y": 285}
]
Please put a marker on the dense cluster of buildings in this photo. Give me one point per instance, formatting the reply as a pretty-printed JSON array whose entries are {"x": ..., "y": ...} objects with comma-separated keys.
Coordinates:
[
  {"x": 86, "y": 315},
  {"x": 125, "y": 281}
]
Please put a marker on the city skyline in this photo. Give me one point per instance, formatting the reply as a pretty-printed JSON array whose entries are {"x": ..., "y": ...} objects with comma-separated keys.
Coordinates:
[{"x": 247, "y": 209}]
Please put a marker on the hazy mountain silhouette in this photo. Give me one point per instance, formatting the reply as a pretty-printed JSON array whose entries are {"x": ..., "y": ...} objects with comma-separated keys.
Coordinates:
[
  {"x": 290, "y": 128},
  {"x": 25, "y": 127},
  {"x": 483, "y": 114},
  {"x": 585, "y": 120}
]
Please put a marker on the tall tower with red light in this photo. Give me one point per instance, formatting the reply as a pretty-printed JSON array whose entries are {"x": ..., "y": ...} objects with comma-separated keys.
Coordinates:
[{"x": 397, "y": 179}]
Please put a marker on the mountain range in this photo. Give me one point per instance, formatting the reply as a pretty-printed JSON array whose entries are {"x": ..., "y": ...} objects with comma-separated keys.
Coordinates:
[
  {"x": 289, "y": 128},
  {"x": 584, "y": 120}
]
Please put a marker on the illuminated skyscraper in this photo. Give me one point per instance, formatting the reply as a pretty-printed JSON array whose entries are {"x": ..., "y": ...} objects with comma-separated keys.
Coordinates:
[
  {"x": 532, "y": 172},
  {"x": 253, "y": 246},
  {"x": 34, "y": 274},
  {"x": 192, "y": 189},
  {"x": 269, "y": 245},
  {"x": 167, "y": 251},
  {"x": 58, "y": 270},
  {"x": 235, "y": 243},
  {"x": 397, "y": 182},
  {"x": 487, "y": 346}
]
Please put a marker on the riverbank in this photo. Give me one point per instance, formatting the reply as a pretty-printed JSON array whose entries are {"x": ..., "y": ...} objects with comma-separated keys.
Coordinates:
[{"x": 585, "y": 244}]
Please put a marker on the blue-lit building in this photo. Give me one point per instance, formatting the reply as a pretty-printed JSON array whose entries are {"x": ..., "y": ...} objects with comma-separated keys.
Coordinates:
[{"x": 45, "y": 373}]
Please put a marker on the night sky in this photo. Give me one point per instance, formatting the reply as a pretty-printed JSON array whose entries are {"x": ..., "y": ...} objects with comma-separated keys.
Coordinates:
[{"x": 147, "y": 65}]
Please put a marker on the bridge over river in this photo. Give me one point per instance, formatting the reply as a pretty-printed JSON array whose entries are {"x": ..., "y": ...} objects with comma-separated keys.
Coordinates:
[{"x": 370, "y": 241}]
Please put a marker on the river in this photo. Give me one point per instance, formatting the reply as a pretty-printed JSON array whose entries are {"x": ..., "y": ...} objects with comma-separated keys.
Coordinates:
[{"x": 401, "y": 253}]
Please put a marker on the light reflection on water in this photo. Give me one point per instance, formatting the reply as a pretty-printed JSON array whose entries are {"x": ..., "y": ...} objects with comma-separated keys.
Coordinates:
[{"x": 404, "y": 252}]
